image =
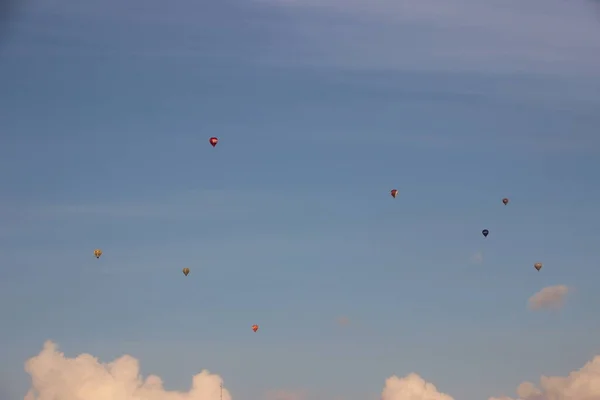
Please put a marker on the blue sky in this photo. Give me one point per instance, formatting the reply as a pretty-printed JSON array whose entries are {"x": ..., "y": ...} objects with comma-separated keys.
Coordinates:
[{"x": 321, "y": 108}]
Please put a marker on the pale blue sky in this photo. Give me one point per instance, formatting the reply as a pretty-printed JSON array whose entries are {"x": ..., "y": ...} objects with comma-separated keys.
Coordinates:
[{"x": 321, "y": 108}]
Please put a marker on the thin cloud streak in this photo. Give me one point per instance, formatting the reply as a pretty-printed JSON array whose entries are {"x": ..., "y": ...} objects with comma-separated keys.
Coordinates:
[
  {"x": 548, "y": 36},
  {"x": 211, "y": 204}
]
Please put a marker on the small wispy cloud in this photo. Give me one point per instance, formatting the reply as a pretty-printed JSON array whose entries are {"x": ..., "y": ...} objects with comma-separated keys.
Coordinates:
[
  {"x": 342, "y": 321},
  {"x": 476, "y": 258},
  {"x": 549, "y": 298}
]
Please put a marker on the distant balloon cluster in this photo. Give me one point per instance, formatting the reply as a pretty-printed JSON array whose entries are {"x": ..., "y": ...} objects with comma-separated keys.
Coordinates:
[
  {"x": 486, "y": 232},
  {"x": 98, "y": 253},
  {"x": 394, "y": 193}
]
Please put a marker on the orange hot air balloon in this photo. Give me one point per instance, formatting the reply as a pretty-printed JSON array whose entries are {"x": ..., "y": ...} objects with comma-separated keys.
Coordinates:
[
  {"x": 213, "y": 141},
  {"x": 186, "y": 271},
  {"x": 254, "y": 328},
  {"x": 505, "y": 201},
  {"x": 97, "y": 253},
  {"x": 393, "y": 192},
  {"x": 537, "y": 266}
]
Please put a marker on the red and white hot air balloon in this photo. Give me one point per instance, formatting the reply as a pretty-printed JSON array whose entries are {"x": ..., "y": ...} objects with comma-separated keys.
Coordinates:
[
  {"x": 213, "y": 141},
  {"x": 393, "y": 192}
]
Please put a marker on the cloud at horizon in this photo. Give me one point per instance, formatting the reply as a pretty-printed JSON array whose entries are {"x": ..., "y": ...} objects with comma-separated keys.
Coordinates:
[
  {"x": 55, "y": 376},
  {"x": 84, "y": 377}
]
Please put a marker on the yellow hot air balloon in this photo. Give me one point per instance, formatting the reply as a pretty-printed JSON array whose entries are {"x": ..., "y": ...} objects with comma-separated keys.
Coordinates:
[
  {"x": 186, "y": 271},
  {"x": 97, "y": 253}
]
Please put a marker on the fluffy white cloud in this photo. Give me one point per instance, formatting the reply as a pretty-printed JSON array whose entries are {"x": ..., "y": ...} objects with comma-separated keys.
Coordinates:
[
  {"x": 56, "y": 377},
  {"x": 583, "y": 384},
  {"x": 411, "y": 387},
  {"x": 551, "y": 297}
]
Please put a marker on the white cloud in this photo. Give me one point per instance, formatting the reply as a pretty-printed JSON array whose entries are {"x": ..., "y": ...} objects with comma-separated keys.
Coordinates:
[
  {"x": 583, "y": 384},
  {"x": 56, "y": 377},
  {"x": 551, "y": 297},
  {"x": 411, "y": 387}
]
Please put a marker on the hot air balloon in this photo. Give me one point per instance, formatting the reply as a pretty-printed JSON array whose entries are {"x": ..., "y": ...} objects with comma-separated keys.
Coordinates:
[
  {"x": 186, "y": 271},
  {"x": 213, "y": 141},
  {"x": 485, "y": 232},
  {"x": 505, "y": 201},
  {"x": 393, "y": 192},
  {"x": 254, "y": 328},
  {"x": 97, "y": 253},
  {"x": 537, "y": 266}
]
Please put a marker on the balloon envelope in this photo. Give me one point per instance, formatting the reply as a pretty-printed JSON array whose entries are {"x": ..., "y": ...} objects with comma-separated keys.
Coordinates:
[
  {"x": 186, "y": 271},
  {"x": 505, "y": 201},
  {"x": 254, "y": 328},
  {"x": 97, "y": 253},
  {"x": 537, "y": 266},
  {"x": 213, "y": 141},
  {"x": 393, "y": 192},
  {"x": 485, "y": 232}
]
